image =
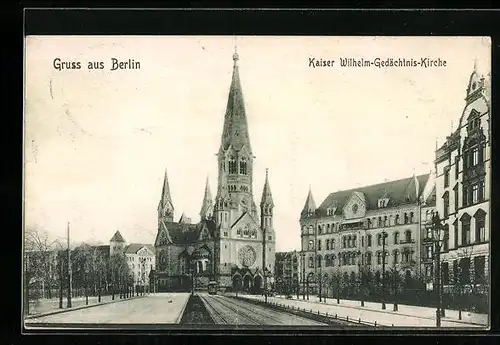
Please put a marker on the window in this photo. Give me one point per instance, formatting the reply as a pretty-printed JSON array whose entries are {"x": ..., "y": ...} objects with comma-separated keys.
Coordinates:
[
  {"x": 445, "y": 274},
  {"x": 479, "y": 265},
  {"x": 446, "y": 238},
  {"x": 475, "y": 156},
  {"x": 354, "y": 241},
  {"x": 319, "y": 230},
  {"x": 311, "y": 245},
  {"x": 465, "y": 196},
  {"x": 396, "y": 237},
  {"x": 446, "y": 202},
  {"x": 446, "y": 178},
  {"x": 455, "y": 234},
  {"x": 455, "y": 271},
  {"x": 457, "y": 160},
  {"x": 332, "y": 245},
  {"x": 319, "y": 244},
  {"x": 270, "y": 238},
  {"x": 406, "y": 218},
  {"x": 319, "y": 260},
  {"x": 369, "y": 240},
  {"x": 379, "y": 239},
  {"x": 328, "y": 244},
  {"x": 455, "y": 196},
  {"x": 475, "y": 195},
  {"x": 465, "y": 229},
  {"x": 369, "y": 223},
  {"x": 411, "y": 217},
  {"x": 243, "y": 166},
  {"x": 396, "y": 219},
  {"x": 362, "y": 241},
  {"x": 481, "y": 191},
  {"x": 379, "y": 258},
  {"x": 428, "y": 272},
  {"x": 428, "y": 251},
  {"x": 311, "y": 262},
  {"x": 232, "y": 165},
  {"x": 344, "y": 242},
  {"x": 327, "y": 228},
  {"x": 408, "y": 236},
  {"x": 396, "y": 257},
  {"x": 238, "y": 232},
  {"x": 385, "y": 221},
  {"x": 368, "y": 258},
  {"x": 480, "y": 226},
  {"x": 464, "y": 270}
]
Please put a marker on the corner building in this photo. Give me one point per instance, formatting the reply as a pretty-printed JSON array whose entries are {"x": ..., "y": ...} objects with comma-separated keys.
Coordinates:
[
  {"x": 231, "y": 244},
  {"x": 463, "y": 184},
  {"x": 344, "y": 235}
]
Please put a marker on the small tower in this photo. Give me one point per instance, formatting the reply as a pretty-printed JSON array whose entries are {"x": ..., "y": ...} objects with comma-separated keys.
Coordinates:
[
  {"x": 309, "y": 207},
  {"x": 207, "y": 208},
  {"x": 165, "y": 207},
  {"x": 266, "y": 205},
  {"x": 266, "y": 219},
  {"x": 116, "y": 243}
]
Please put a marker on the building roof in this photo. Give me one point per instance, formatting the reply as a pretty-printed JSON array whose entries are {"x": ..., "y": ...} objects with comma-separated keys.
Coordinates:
[
  {"x": 181, "y": 233},
  {"x": 235, "y": 130},
  {"x": 399, "y": 192},
  {"x": 309, "y": 206},
  {"x": 117, "y": 237},
  {"x": 207, "y": 202},
  {"x": 267, "y": 197},
  {"x": 133, "y": 248},
  {"x": 166, "y": 199}
]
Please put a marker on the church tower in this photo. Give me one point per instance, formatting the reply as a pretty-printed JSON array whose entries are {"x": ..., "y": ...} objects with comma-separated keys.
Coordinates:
[
  {"x": 235, "y": 157},
  {"x": 165, "y": 207},
  {"x": 206, "y": 211},
  {"x": 266, "y": 220}
]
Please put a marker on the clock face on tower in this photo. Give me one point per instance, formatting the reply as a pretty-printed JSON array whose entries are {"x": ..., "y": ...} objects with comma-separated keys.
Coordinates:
[{"x": 247, "y": 256}]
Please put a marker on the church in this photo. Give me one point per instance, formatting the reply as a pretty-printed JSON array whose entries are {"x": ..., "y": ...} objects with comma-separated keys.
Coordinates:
[{"x": 231, "y": 244}]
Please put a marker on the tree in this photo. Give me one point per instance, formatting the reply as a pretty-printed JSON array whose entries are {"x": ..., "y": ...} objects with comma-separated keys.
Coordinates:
[
  {"x": 120, "y": 273},
  {"x": 336, "y": 284},
  {"x": 395, "y": 280},
  {"x": 38, "y": 265}
]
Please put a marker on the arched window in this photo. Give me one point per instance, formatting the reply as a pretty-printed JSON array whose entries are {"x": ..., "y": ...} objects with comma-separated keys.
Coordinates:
[
  {"x": 396, "y": 256},
  {"x": 379, "y": 258},
  {"x": 327, "y": 228},
  {"x": 232, "y": 165},
  {"x": 406, "y": 218},
  {"x": 319, "y": 260},
  {"x": 386, "y": 221},
  {"x": 369, "y": 240},
  {"x": 466, "y": 238},
  {"x": 319, "y": 229},
  {"x": 311, "y": 262},
  {"x": 368, "y": 258},
  {"x": 396, "y": 238},
  {"x": 411, "y": 217},
  {"x": 480, "y": 217},
  {"x": 333, "y": 244},
  {"x": 327, "y": 244},
  {"x": 408, "y": 236},
  {"x": 396, "y": 219},
  {"x": 379, "y": 239},
  {"x": 243, "y": 166}
]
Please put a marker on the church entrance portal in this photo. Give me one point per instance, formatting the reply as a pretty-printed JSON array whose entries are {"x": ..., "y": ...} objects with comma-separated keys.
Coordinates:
[
  {"x": 257, "y": 284},
  {"x": 237, "y": 283},
  {"x": 247, "y": 283}
]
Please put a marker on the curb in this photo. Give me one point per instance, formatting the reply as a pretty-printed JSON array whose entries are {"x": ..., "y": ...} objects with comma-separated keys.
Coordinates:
[
  {"x": 181, "y": 314},
  {"x": 395, "y": 313},
  {"x": 29, "y": 317}
]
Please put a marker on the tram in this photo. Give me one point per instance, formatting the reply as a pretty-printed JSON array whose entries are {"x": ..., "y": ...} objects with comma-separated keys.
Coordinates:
[{"x": 213, "y": 287}]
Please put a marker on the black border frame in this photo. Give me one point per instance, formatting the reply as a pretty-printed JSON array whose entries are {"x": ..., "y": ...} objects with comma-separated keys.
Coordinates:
[{"x": 394, "y": 22}]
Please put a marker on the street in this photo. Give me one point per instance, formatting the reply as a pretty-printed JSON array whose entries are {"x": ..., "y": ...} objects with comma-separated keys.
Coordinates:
[
  {"x": 227, "y": 310},
  {"x": 160, "y": 308}
]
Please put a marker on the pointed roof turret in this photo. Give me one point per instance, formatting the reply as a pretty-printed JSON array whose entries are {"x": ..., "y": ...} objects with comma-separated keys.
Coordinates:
[
  {"x": 117, "y": 237},
  {"x": 309, "y": 206},
  {"x": 165, "y": 199},
  {"x": 267, "y": 197},
  {"x": 235, "y": 130},
  {"x": 207, "y": 200}
]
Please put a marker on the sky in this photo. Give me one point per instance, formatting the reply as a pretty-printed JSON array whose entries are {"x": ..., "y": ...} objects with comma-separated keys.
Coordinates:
[{"x": 97, "y": 142}]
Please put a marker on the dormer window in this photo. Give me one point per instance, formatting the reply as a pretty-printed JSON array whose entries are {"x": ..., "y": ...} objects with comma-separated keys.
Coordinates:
[{"x": 383, "y": 202}]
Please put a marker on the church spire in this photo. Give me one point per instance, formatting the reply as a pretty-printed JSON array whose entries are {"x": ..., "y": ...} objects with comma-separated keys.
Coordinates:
[
  {"x": 267, "y": 198},
  {"x": 166, "y": 206},
  {"x": 235, "y": 130},
  {"x": 207, "y": 204}
]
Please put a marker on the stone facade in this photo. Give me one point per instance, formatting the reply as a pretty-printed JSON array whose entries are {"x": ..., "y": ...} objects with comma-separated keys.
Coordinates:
[
  {"x": 345, "y": 234},
  {"x": 231, "y": 244},
  {"x": 463, "y": 184}
]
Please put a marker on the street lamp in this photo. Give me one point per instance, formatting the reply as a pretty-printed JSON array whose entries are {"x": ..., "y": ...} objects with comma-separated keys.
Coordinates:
[
  {"x": 384, "y": 236},
  {"x": 361, "y": 276},
  {"x": 438, "y": 236},
  {"x": 319, "y": 280}
]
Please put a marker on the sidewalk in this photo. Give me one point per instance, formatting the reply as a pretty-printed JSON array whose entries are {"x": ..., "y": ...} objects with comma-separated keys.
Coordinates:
[
  {"x": 403, "y": 309},
  {"x": 372, "y": 312},
  {"x": 44, "y": 306}
]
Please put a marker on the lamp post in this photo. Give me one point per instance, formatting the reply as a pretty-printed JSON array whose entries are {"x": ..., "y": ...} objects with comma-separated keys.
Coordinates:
[
  {"x": 361, "y": 277},
  {"x": 438, "y": 236},
  {"x": 384, "y": 236}
]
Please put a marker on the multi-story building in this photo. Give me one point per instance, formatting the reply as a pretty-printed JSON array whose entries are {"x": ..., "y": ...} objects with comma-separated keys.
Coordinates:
[
  {"x": 346, "y": 232},
  {"x": 288, "y": 268},
  {"x": 463, "y": 184},
  {"x": 231, "y": 244},
  {"x": 140, "y": 258},
  {"x": 427, "y": 243}
]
